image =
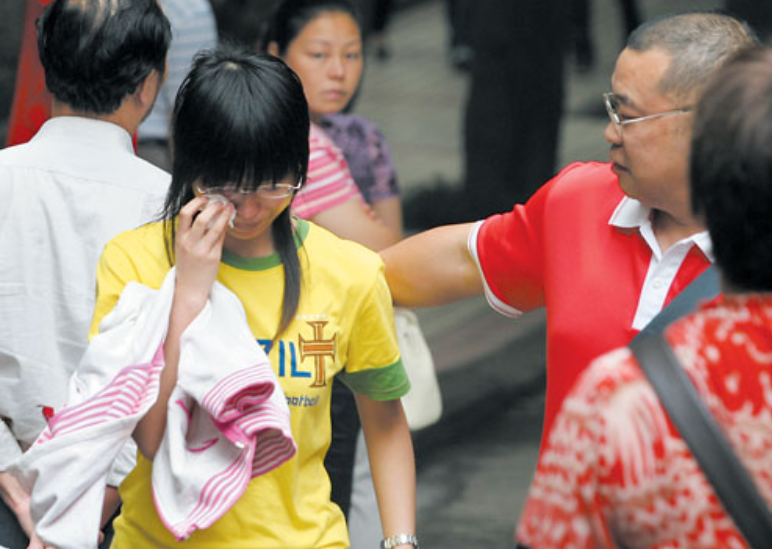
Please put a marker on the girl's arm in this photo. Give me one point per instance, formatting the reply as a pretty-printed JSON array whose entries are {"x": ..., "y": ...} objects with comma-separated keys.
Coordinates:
[
  {"x": 353, "y": 220},
  {"x": 389, "y": 210},
  {"x": 390, "y": 450},
  {"x": 332, "y": 200},
  {"x": 197, "y": 250}
]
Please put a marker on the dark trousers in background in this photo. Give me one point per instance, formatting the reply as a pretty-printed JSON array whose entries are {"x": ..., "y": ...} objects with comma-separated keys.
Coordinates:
[
  {"x": 631, "y": 14},
  {"x": 460, "y": 20},
  {"x": 513, "y": 113},
  {"x": 581, "y": 25},
  {"x": 582, "y": 9},
  {"x": 11, "y": 534},
  {"x": 758, "y": 14},
  {"x": 381, "y": 15},
  {"x": 13, "y": 537},
  {"x": 339, "y": 460}
]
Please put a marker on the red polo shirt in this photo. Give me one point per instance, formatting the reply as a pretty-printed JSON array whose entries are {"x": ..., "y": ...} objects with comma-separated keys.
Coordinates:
[{"x": 588, "y": 254}]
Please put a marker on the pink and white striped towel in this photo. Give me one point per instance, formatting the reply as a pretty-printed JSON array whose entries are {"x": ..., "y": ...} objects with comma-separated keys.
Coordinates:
[{"x": 227, "y": 419}]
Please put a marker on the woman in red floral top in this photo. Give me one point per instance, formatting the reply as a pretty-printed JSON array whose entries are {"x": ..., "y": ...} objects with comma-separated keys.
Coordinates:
[{"x": 615, "y": 472}]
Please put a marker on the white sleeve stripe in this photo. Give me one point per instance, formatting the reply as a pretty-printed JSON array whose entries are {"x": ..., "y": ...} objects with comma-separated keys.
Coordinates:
[{"x": 495, "y": 303}]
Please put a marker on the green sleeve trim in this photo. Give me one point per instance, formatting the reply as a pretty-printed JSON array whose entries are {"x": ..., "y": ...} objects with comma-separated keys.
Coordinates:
[{"x": 387, "y": 383}]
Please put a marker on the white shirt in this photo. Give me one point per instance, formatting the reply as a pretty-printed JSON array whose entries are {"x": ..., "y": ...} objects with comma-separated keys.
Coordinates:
[
  {"x": 663, "y": 267},
  {"x": 193, "y": 29},
  {"x": 63, "y": 195}
]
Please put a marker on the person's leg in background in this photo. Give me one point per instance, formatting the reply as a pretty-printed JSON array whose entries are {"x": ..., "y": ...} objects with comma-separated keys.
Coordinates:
[
  {"x": 631, "y": 15},
  {"x": 512, "y": 118},
  {"x": 363, "y": 519},
  {"x": 757, "y": 13},
  {"x": 349, "y": 470},
  {"x": 584, "y": 50},
  {"x": 339, "y": 461},
  {"x": 11, "y": 534},
  {"x": 380, "y": 37},
  {"x": 460, "y": 52},
  {"x": 13, "y": 537}
]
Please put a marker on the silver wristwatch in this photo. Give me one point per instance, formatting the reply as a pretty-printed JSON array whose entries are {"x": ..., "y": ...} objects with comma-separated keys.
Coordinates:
[{"x": 400, "y": 539}]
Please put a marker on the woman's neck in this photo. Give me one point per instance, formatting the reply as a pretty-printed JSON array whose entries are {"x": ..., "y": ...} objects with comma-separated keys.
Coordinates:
[{"x": 253, "y": 248}]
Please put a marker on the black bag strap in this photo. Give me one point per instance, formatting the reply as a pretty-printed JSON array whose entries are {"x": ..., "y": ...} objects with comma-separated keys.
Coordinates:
[
  {"x": 698, "y": 428},
  {"x": 705, "y": 286}
]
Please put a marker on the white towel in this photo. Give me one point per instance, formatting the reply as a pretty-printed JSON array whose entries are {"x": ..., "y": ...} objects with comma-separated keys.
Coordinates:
[
  {"x": 239, "y": 416},
  {"x": 227, "y": 419}
]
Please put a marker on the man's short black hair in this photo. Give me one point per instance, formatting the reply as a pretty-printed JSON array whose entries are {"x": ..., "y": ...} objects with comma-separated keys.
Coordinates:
[
  {"x": 731, "y": 169},
  {"x": 698, "y": 42},
  {"x": 96, "y": 52}
]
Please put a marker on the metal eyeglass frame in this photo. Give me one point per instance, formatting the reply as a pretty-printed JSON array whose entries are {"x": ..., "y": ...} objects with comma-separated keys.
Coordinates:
[
  {"x": 289, "y": 189},
  {"x": 613, "y": 113}
]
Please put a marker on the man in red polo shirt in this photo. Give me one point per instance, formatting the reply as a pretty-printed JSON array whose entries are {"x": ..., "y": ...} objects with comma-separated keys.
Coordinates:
[{"x": 603, "y": 246}]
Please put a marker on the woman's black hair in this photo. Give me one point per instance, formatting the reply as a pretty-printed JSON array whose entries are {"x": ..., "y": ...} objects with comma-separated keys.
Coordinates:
[
  {"x": 290, "y": 17},
  {"x": 240, "y": 119},
  {"x": 731, "y": 169}
]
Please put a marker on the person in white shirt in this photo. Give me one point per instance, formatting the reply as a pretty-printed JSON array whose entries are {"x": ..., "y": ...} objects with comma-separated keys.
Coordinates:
[
  {"x": 193, "y": 29},
  {"x": 68, "y": 191}
]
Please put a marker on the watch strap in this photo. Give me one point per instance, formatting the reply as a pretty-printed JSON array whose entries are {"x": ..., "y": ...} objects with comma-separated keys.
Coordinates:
[{"x": 399, "y": 539}]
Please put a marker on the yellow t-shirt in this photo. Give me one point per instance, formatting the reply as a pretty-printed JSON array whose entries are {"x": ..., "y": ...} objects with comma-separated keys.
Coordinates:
[{"x": 344, "y": 325}]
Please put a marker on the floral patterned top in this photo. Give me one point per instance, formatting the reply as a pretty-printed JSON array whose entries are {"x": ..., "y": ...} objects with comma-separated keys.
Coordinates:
[
  {"x": 367, "y": 153},
  {"x": 615, "y": 472}
]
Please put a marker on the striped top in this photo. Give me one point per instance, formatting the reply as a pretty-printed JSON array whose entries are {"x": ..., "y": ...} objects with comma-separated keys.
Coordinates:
[
  {"x": 329, "y": 181},
  {"x": 367, "y": 153}
]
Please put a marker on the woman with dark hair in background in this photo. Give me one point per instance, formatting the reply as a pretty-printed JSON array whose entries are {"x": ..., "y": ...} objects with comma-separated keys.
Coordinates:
[{"x": 322, "y": 42}]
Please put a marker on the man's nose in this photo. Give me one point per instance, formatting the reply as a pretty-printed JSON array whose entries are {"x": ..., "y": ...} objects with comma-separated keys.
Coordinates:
[{"x": 612, "y": 134}]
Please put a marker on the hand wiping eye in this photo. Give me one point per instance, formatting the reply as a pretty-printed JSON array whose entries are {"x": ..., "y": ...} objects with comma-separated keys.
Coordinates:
[{"x": 214, "y": 198}]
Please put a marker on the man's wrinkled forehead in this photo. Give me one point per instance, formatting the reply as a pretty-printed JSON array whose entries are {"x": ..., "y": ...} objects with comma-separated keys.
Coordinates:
[{"x": 638, "y": 76}]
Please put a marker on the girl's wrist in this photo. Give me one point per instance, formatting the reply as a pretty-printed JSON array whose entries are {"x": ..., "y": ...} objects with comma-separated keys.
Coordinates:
[{"x": 190, "y": 298}]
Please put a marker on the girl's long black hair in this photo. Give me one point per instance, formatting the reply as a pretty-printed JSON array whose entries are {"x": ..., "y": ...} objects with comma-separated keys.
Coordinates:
[{"x": 240, "y": 119}]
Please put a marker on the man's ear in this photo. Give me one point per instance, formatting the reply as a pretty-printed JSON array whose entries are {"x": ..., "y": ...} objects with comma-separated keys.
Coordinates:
[
  {"x": 273, "y": 49},
  {"x": 149, "y": 87}
]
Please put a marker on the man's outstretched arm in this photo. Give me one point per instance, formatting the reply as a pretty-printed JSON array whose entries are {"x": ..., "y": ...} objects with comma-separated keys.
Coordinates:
[{"x": 432, "y": 268}]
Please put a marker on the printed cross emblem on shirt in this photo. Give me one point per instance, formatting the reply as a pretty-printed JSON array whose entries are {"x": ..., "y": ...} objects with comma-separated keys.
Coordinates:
[{"x": 318, "y": 348}]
